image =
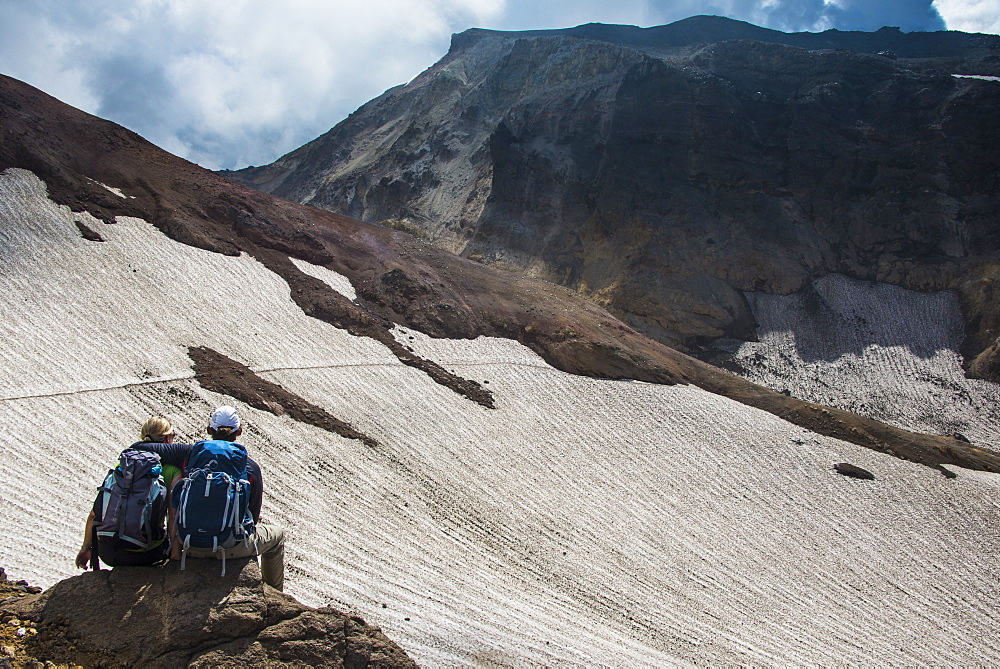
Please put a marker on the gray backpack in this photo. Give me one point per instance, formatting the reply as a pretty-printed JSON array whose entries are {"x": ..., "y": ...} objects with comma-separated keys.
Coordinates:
[{"x": 134, "y": 500}]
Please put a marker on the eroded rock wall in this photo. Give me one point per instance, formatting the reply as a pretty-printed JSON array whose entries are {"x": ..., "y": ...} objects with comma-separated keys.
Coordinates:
[{"x": 662, "y": 176}]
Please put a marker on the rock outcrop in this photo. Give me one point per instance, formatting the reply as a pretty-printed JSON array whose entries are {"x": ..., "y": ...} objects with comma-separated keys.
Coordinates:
[
  {"x": 164, "y": 617},
  {"x": 664, "y": 171}
]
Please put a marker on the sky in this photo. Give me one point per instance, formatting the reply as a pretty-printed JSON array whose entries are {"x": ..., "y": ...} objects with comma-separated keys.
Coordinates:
[{"x": 231, "y": 83}]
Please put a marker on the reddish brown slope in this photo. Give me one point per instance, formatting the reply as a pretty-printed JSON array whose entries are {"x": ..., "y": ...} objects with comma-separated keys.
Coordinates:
[{"x": 399, "y": 279}]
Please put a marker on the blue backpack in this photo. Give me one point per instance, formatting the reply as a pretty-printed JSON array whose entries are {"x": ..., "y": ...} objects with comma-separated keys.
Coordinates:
[
  {"x": 133, "y": 501},
  {"x": 213, "y": 507}
]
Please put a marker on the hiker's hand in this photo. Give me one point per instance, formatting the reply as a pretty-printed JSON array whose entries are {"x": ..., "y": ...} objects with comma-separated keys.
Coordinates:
[{"x": 83, "y": 557}]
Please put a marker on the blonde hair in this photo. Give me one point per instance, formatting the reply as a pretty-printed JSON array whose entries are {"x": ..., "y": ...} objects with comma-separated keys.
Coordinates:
[{"x": 156, "y": 429}]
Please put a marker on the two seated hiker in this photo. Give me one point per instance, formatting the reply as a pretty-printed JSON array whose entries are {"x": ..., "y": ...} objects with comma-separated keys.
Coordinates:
[{"x": 211, "y": 490}]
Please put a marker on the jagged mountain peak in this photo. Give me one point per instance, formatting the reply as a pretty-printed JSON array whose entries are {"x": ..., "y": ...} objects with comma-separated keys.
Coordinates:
[
  {"x": 693, "y": 30},
  {"x": 665, "y": 171},
  {"x": 706, "y": 29}
]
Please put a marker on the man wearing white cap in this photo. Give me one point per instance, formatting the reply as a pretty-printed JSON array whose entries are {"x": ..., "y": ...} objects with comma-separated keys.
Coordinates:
[{"x": 267, "y": 541}]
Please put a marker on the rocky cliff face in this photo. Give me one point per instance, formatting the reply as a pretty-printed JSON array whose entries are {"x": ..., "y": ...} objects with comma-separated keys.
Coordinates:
[{"x": 663, "y": 172}]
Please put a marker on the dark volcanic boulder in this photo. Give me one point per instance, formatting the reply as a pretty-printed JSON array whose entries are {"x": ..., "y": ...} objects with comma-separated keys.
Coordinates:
[
  {"x": 847, "y": 469},
  {"x": 164, "y": 617},
  {"x": 663, "y": 171}
]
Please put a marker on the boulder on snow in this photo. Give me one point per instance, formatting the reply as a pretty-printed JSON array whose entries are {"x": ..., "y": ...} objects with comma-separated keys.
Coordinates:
[{"x": 847, "y": 469}]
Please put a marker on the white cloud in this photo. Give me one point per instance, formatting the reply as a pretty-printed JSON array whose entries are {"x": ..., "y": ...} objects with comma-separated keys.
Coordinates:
[
  {"x": 974, "y": 16},
  {"x": 232, "y": 83}
]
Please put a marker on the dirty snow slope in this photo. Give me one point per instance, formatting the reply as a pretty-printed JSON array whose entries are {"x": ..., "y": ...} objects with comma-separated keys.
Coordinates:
[{"x": 582, "y": 521}]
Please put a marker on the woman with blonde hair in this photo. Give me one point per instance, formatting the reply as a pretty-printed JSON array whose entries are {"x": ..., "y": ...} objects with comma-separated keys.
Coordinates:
[
  {"x": 122, "y": 544},
  {"x": 156, "y": 430}
]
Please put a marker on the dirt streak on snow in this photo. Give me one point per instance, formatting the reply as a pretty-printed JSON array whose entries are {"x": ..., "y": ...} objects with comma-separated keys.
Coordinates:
[{"x": 580, "y": 522}]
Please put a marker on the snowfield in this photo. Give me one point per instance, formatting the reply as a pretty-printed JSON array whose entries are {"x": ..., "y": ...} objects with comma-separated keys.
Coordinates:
[{"x": 589, "y": 522}]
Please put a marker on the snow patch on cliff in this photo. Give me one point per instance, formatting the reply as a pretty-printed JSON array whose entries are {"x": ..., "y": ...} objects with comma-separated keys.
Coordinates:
[
  {"x": 335, "y": 280},
  {"x": 984, "y": 77},
  {"x": 873, "y": 349}
]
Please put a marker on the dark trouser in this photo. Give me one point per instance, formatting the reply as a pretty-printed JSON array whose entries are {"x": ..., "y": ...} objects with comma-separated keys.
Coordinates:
[{"x": 114, "y": 553}]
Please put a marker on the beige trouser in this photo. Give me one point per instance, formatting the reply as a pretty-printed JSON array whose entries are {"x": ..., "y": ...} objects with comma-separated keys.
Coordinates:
[{"x": 267, "y": 541}]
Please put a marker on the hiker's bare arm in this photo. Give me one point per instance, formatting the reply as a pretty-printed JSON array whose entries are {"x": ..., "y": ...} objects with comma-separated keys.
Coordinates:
[
  {"x": 83, "y": 557},
  {"x": 175, "y": 544}
]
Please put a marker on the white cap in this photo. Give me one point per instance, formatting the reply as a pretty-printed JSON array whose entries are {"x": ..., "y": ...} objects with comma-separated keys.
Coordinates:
[{"x": 224, "y": 416}]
